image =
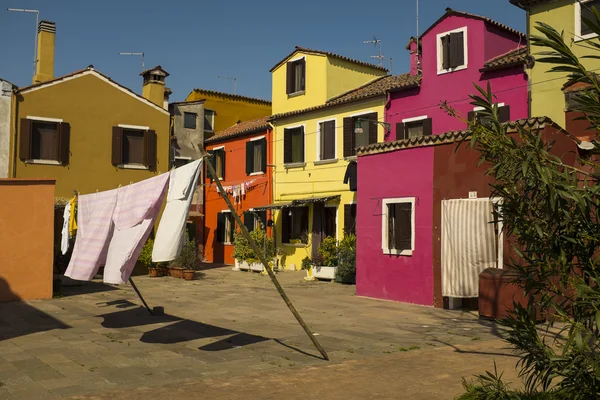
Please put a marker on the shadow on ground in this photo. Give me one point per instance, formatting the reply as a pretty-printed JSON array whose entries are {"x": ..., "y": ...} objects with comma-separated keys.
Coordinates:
[
  {"x": 85, "y": 288},
  {"x": 19, "y": 319}
]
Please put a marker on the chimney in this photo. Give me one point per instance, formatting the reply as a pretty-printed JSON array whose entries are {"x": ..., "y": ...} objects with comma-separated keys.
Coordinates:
[
  {"x": 44, "y": 67},
  {"x": 415, "y": 57},
  {"x": 154, "y": 85},
  {"x": 168, "y": 93}
]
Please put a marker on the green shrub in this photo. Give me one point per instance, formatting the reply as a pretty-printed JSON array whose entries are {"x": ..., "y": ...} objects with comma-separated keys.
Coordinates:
[
  {"x": 242, "y": 250},
  {"x": 188, "y": 258},
  {"x": 306, "y": 263},
  {"x": 346, "y": 255},
  {"x": 146, "y": 255},
  {"x": 328, "y": 251}
]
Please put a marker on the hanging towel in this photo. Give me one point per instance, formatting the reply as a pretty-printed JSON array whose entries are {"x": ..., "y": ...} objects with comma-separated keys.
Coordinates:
[
  {"x": 94, "y": 226},
  {"x": 64, "y": 240},
  {"x": 72, "y": 217},
  {"x": 468, "y": 245},
  {"x": 137, "y": 207},
  {"x": 171, "y": 230}
]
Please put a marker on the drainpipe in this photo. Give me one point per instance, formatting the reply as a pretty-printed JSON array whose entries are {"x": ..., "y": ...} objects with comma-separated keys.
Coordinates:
[
  {"x": 15, "y": 136},
  {"x": 528, "y": 32},
  {"x": 385, "y": 115}
]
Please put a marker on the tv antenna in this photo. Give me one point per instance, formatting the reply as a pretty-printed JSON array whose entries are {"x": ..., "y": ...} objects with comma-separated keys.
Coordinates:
[
  {"x": 230, "y": 79},
  {"x": 134, "y": 54},
  {"x": 376, "y": 42}
]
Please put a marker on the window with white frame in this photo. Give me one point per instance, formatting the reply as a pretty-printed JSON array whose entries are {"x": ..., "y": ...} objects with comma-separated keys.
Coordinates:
[
  {"x": 225, "y": 227},
  {"x": 583, "y": 11},
  {"x": 296, "y": 76},
  {"x": 326, "y": 140},
  {"x": 209, "y": 120},
  {"x": 398, "y": 226},
  {"x": 503, "y": 114},
  {"x": 413, "y": 127},
  {"x": 256, "y": 155},
  {"x": 218, "y": 160},
  {"x": 452, "y": 54}
]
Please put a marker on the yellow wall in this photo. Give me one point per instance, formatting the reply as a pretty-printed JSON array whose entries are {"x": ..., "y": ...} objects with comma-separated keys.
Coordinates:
[
  {"x": 44, "y": 70},
  {"x": 155, "y": 92},
  {"x": 326, "y": 77},
  {"x": 230, "y": 109},
  {"x": 92, "y": 107},
  {"x": 316, "y": 180},
  {"x": 547, "y": 97}
]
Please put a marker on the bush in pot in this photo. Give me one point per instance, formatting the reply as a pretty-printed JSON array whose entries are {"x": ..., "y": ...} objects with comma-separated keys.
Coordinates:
[
  {"x": 346, "y": 254},
  {"x": 244, "y": 253},
  {"x": 328, "y": 253},
  {"x": 145, "y": 258},
  {"x": 188, "y": 260}
]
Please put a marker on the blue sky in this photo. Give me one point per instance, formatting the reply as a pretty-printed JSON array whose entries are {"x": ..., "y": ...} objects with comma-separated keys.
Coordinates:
[{"x": 196, "y": 41}]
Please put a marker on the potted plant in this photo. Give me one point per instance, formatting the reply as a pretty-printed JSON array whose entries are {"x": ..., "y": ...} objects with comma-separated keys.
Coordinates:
[
  {"x": 346, "y": 254},
  {"x": 145, "y": 258},
  {"x": 245, "y": 257},
  {"x": 187, "y": 262},
  {"x": 325, "y": 265}
]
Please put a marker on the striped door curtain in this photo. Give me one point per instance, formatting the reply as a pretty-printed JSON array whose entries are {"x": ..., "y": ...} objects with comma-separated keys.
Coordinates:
[{"x": 468, "y": 245}]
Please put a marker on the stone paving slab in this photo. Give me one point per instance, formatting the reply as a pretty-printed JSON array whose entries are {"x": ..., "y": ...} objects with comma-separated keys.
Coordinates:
[{"x": 224, "y": 327}]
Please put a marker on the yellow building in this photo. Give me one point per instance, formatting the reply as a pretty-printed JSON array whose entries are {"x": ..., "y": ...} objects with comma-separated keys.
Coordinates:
[
  {"x": 318, "y": 99},
  {"x": 223, "y": 110},
  {"x": 87, "y": 131},
  {"x": 565, "y": 16}
]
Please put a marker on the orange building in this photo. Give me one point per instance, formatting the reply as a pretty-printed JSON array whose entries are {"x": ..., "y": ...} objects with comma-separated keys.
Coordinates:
[{"x": 242, "y": 158}]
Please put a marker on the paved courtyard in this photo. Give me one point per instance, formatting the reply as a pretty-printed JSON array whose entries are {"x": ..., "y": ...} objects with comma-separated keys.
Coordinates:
[{"x": 229, "y": 335}]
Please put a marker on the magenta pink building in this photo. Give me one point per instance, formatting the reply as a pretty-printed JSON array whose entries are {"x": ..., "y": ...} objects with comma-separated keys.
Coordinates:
[{"x": 396, "y": 202}]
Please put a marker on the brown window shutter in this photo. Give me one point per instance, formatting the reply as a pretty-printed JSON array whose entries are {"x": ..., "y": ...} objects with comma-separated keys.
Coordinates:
[
  {"x": 329, "y": 142},
  {"x": 504, "y": 113},
  {"x": 471, "y": 116},
  {"x": 285, "y": 225},
  {"x": 303, "y": 78},
  {"x": 287, "y": 146},
  {"x": 223, "y": 162},
  {"x": 302, "y": 142},
  {"x": 457, "y": 51},
  {"x": 25, "y": 140},
  {"x": 349, "y": 219},
  {"x": 403, "y": 226},
  {"x": 64, "y": 134},
  {"x": 150, "y": 149},
  {"x": 348, "y": 137},
  {"x": 249, "y": 157},
  {"x": 446, "y": 52},
  {"x": 220, "y": 234},
  {"x": 117, "y": 145},
  {"x": 213, "y": 161},
  {"x": 289, "y": 78},
  {"x": 400, "y": 131},
  {"x": 427, "y": 126},
  {"x": 263, "y": 161},
  {"x": 372, "y": 127}
]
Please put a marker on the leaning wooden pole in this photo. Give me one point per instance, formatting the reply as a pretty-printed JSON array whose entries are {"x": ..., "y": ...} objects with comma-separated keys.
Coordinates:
[{"x": 262, "y": 258}]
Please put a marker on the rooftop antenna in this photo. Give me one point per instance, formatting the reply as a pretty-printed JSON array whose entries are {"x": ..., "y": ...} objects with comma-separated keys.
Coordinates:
[
  {"x": 418, "y": 60},
  {"x": 134, "y": 54},
  {"x": 376, "y": 42},
  {"x": 230, "y": 79}
]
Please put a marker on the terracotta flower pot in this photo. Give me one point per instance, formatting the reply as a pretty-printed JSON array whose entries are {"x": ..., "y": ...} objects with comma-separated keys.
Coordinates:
[
  {"x": 176, "y": 272},
  {"x": 189, "y": 274},
  {"x": 153, "y": 272},
  {"x": 163, "y": 271}
]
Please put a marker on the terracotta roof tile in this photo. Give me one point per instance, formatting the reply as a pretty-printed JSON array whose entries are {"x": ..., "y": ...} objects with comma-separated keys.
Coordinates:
[
  {"x": 326, "y": 53},
  {"x": 378, "y": 87},
  {"x": 448, "y": 137},
  {"x": 490, "y": 21},
  {"x": 242, "y": 128},
  {"x": 232, "y": 96},
  {"x": 510, "y": 59}
]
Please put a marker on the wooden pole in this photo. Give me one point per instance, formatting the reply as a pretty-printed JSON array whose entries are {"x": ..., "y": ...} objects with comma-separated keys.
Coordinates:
[
  {"x": 140, "y": 296},
  {"x": 262, "y": 257}
]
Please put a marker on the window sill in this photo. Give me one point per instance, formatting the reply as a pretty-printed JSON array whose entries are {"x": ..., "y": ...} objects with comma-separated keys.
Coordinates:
[
  {"x": 44, "y": 162},
  {"x": 227, "y": 244},
  {"x": 295, "y": 165},
  {"x": 449, "y": 71},
  {"x": 132, "y": 166},
  {"x": 299, "y": 245},
  {"x": 350, "y": 158},
  {"x": 257, "y": 173},
  {"x": 577, "y": 38},
  {"x": 394, "y": 252},
  {"x": 295, "y": 94},
  {"x": 322, "y": 162}
]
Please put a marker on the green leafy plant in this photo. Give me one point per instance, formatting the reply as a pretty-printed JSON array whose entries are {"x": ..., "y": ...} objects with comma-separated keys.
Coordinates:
[
  {"x": 189, "y": 256},
  {"x": 328, "y": 251},
  {"x": 243, "y": 252},
  {"x": 346, "y": 254},
  {"x": 146, "y": 255},
  {"x": 306, "y": 263}
]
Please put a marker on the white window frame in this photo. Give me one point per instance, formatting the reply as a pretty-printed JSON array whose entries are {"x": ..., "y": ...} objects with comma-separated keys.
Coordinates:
[
  {"x": 227, "y": 223},
  {"x": 578, "y": 37},
  {"x": 299, "y": 92},
  {"x": 335, "y": 144},
  {"x": 497, "y": 202},
  {"x": 440, "y": 51},
  {"x": 134, "y": 128},
  {"x": 212, "y": 122},
  {"x": 414, "y": 119},
  {"x": 218, "y": 148},
  {"x": 384, "y": 225},
  {"x": 475, "y": 109},
  {"x": 296, "y": 164},
  {"x": 253, "y": 140}
]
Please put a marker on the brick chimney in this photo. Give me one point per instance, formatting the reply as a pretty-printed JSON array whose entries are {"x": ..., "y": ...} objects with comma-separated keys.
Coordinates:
[
  {"x": 415, "y": 57},
  {"x": 153, "y": 88},
  {"x": 44, "y": 68}
]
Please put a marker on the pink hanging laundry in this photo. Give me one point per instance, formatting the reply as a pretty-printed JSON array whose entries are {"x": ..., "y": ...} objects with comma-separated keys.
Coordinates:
[
  {"x": 94, "y": 227},
  {"x": 137, "y": 208}
]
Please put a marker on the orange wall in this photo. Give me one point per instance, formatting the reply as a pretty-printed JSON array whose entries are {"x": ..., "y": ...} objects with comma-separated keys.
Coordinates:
[
  {"x": 235, "y": 173},
  {"x": 26, "y": 238}
]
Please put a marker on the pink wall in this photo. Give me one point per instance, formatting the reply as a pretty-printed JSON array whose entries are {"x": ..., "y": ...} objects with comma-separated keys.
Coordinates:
[
  {"x": 401, "y": 278},
  {"x": 483, "y": 43}
]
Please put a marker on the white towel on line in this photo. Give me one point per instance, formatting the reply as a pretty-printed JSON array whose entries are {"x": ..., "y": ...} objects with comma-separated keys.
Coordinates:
[
  {"x": 171, "y": 229},
  {"x": 64, "y": 240}
]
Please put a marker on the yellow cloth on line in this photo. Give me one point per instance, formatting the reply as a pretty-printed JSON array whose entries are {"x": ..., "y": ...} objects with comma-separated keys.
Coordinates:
[{"x": 72, "y": 217}]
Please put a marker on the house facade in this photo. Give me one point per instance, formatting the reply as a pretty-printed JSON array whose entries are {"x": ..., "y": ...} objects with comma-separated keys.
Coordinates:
[
  {"x": 87, "y": 131},
  {"x": 242, "y": 157},
  {"x": 7, "y": 98},
  {"x": 396, "y": 262},
  {"x": 317, "y": 99},
  {"x": 223, "y": 110}
]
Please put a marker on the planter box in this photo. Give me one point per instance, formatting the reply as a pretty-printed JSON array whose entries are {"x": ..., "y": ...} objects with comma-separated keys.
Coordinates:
[
  {"x": 322, "y": 272},
  {"x": 257, "y": 266},
  {"x": 242, "y": 265}
]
